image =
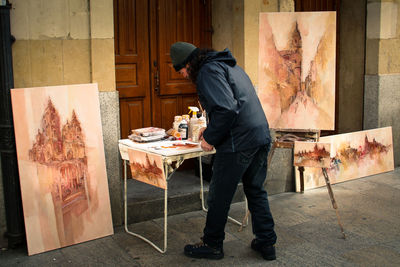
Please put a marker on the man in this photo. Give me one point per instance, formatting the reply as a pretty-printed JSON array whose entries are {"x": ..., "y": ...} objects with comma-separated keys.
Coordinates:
[{"x": 239, "y": 131}]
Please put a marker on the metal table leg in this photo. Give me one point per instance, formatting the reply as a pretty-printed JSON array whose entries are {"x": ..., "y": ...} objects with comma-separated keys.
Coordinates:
[
  {"x": 202, "y": 199},
  {"x": 165, "y": 213}
]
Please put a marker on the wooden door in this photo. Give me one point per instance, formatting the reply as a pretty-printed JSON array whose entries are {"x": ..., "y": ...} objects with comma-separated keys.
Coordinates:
[{"x": 151, "y": 92}]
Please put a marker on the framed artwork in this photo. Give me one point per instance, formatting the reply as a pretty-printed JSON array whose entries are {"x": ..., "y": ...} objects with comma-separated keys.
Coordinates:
[
  {"x": 61, "y": 164},
  {"x": 311, "y": 154},
  {"x": 147, "y": 168},
  {"x": 353, "y": 155},
  {"x": 296, "y": 69}
]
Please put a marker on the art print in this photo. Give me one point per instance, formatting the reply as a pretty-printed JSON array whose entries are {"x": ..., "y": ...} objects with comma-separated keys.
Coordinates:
[
  {"x": 353, "y": 155},
  {"x": 297, "y": 69},
  {"x": 147, "y": 168},
  {"x": 61, "y": 165}
]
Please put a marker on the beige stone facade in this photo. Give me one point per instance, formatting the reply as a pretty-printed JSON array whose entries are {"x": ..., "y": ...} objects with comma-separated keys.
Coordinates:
[{"x": 63, "y": 42}]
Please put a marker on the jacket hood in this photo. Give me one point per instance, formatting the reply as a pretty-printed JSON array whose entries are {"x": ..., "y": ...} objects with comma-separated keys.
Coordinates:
[{"x": 222, "y": 56}]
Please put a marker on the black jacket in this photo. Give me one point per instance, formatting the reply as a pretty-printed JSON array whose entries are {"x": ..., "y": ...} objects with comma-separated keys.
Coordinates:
[{"x": 236, "y": 119}]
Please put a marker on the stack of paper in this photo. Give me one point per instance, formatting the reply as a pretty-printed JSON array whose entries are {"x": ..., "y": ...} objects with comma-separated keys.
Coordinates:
[{"x": 148, "y": 134}]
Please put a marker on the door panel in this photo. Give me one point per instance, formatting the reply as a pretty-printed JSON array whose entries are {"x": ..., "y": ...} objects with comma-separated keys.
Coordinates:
[
  {"x": 132, "y": 63},
  {"x": 169, "y": 108},
  {"x": 177, "y": 20},
  {"x": 189, "y": 101},
  {"x": 134, "y": 114}
]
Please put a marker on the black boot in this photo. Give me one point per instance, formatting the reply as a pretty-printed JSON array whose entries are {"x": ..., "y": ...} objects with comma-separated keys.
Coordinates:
[
  {"x": 202, "y": 250},
  {"x": 267, "y": 251}
]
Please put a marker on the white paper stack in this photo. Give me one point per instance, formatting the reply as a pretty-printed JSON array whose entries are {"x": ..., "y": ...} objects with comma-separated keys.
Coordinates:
[{"x": 148, "y": 134}]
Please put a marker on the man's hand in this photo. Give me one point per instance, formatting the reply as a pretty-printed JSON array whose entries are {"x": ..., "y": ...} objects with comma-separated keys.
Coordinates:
[
  {"x": 201, "y": 133},
  {"x": 206, "y": 146}
]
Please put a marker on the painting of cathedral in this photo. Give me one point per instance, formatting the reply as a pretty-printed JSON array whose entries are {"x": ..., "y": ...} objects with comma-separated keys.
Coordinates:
[
  {"x": 61, "y": 165},
  {"x": 296, "y": 69},
  {"x": 312, "y": 154},
  {"x": 147, "y": 168},
  {"x": 353, "y": 155}
]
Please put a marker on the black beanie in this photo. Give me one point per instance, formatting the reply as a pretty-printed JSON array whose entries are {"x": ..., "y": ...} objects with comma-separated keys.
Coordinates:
[{"x": 181, "y": 53}]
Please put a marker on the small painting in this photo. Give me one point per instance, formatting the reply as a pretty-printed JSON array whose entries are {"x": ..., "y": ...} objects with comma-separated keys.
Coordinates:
[
  {"x": 147, "y": 168},
  {"x": 296, "y": 70},
  {"x": 312, "y": 154},
  {"x": 61, "y": 164},
  {"x": 353, "y": 155}
]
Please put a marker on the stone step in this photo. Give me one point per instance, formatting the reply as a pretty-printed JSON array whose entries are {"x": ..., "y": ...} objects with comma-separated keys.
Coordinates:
[{"x": 146, "y": 202}]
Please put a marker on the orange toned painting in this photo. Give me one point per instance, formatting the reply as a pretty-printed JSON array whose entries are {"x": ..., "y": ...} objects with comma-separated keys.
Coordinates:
[
  {"x": 296, "y": 69},
  {"x": 311, "y": 154},
  {"x": 147, "y": 168},
  {"x": 61, "y": 164},
  {"x": 353, "y": 155}
]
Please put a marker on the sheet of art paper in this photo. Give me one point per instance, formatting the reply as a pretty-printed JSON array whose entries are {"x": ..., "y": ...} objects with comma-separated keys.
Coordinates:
[
  {"x": 353, "y": 155},
  {"x": 164, "y": 148},
  {"x": 312, "y": 154},
  {"x": 296, "y": 69},
  {"x": 61, "y": 164},
  {"x": 147, "y": 168}
]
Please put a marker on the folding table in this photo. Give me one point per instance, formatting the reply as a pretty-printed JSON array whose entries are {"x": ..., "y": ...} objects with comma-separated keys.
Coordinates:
[{"x": 177, "y": 157}]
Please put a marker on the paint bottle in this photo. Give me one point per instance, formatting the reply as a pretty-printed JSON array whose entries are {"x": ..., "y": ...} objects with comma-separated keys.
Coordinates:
[
  {"x": 193, "y": 124},
  {"x": 177, "y": 121},
  {"x": 183, "y": 129}
]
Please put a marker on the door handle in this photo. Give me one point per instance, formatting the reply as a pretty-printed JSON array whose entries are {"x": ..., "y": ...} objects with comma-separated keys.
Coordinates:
[{"x": 157, "y": 82}]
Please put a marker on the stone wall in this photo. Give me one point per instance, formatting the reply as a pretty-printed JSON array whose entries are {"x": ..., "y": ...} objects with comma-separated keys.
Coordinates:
[
  {"x": 382, "y": 69},
  {"x": 71, "y": 42}
]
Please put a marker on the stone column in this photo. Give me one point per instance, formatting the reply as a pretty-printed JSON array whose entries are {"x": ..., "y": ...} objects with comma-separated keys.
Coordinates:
[{"x": 382, "y": 71}]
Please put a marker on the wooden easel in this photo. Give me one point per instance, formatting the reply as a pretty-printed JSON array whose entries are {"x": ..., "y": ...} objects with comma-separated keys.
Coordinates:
[{"x": 285, "y": 139}]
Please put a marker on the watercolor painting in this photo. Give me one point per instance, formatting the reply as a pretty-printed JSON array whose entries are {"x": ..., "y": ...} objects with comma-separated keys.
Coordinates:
[
  {"x": 147, "y": 168},
  {"x": 311, "y": 154},
  {"x": 296, "y": 70},
  {"x": 353, "y": 155},
  {"x": 61, "y": 164}
]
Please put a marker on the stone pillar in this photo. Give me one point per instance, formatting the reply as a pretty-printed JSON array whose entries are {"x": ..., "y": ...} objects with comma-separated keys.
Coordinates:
[
  {"x": 9, "y": 165},
  {"x": 382, "y": 71}
]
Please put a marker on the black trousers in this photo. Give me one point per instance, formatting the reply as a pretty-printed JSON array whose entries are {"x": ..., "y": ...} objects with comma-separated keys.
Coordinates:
[{"x": 250, "y": 166}]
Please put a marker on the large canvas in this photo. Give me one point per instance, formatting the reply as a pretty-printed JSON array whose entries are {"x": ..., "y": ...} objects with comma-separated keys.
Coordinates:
[
  {"x": 61, "y": 165},
  {"x": 353, "y": 155},
  {"x": 296, "y": 69},
  {"x": 147, "y": 168},
  {"x": 311, "y": 154}
]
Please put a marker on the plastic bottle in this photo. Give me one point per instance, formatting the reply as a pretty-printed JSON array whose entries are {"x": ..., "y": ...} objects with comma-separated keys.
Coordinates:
[
  {"x": 193, "y": 124},
  {"x": 183, "y": 129},
  {"x": 177, "y": 121}
]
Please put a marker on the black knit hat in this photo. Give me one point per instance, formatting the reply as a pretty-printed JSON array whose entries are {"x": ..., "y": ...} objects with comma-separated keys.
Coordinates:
[{"x": 181, "y": 53}]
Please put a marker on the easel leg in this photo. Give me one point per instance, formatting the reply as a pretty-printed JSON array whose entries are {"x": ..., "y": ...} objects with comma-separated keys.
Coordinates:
[{"x": 328, "y": 185}]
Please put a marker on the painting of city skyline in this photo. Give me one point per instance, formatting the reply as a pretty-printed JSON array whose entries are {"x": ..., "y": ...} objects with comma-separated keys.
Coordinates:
[
  {"x": 62, "y": 165},
  {"x": 311, "y": 154},
  {"x": 353, "y": 155},
  {"x": 147, "y": 168},
  {"x": 296, "y": 70}
]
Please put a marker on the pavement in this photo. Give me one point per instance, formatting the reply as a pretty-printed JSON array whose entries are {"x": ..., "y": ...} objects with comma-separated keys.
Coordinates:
[{"x": 306, "y": 225}]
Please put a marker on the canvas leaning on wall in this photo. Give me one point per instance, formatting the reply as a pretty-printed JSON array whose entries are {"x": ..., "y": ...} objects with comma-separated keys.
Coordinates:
[
  {"x": 296, "y": 69},
  {"x": 353, "y": 155},
  {"x": 61, "y": 164}
]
